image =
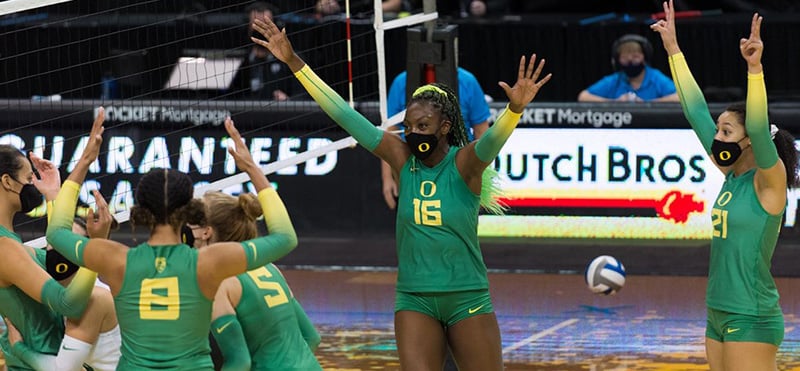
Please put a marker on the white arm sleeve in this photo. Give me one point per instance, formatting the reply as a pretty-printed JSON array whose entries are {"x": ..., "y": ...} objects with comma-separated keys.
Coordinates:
[{"x": 72, "y": 354}]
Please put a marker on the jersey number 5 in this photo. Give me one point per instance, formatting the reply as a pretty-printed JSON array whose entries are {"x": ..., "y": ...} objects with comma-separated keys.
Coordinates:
[
  {"x": 261, "y": 278},
  {"x": 160, "y": 299}
]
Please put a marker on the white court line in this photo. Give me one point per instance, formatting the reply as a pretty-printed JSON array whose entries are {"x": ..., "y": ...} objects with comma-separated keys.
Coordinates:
[{"x": 539, "y": 335}]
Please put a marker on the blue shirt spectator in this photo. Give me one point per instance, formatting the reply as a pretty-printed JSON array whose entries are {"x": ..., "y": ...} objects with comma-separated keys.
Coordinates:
[
  {"x": 633, "y": 80},
  {"x": 654, "y": 85},
  {"x": 474, "y": 108}
]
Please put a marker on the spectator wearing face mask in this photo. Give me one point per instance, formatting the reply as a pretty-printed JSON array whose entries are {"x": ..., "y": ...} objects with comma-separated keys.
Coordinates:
[{"x": 633, "y": 79}]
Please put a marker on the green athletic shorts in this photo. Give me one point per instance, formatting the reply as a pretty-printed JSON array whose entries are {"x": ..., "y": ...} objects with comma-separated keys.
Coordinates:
[
  {"x": 446, "y": 307},
  {"x": 725, "y": 326}
]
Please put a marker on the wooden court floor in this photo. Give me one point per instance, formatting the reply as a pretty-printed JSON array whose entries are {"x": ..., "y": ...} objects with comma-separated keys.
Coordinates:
[{"x": 548, "y": 322}]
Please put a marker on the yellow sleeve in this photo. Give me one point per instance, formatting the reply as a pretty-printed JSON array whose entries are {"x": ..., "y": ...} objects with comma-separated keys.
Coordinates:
[
  {"x": 362, "y": 130},
  {"x": 59, "y": 230},
  {"x": 281, "y": 238},
  {"x": 693, "y": 103},
  {"x": 757, "y": 122},
  {"x": 490, "y": 143}
]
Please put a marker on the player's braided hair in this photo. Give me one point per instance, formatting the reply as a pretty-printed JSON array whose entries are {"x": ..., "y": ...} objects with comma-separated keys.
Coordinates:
[
  {"x": 784, "y": 143},
  {"x": 441, "y": 97},
  {"x": 164, "y": 196}
]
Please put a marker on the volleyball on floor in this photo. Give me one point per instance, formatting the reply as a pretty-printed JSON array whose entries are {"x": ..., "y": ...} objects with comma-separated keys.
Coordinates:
[{"x": 605, "y": 275}]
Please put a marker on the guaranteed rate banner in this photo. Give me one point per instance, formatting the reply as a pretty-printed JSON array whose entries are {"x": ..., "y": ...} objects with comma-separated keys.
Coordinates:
[{"x": 624, "y": 183}]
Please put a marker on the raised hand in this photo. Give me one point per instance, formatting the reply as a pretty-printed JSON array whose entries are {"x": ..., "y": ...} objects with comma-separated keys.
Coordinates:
[
  {"x": 238, "y": 149},
  {"x": 98, "y": 223},
  {"x": 277, "y": 43},
  {"x": 753, "y": 47},
  {"x": 666, "y": 28},
  {"x": 92, "y": 149},
  {"x": 49, "y": 180},
  {"x": 243, "y": 158},
  {"x": 526, "y": 87}
]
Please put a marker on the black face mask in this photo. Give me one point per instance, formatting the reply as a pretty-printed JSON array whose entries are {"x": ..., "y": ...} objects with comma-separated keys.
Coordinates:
[
  {"x": 633, "y": 69},
  {"x": 726, "y": 153},
  {"x": 29, "y": 197},
  {"x": 421, "y": 145},
  {"x": 58, "y": 266}
]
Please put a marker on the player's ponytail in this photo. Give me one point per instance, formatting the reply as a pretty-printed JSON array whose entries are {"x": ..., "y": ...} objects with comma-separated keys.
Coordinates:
[{"x": 784, "y": 143}]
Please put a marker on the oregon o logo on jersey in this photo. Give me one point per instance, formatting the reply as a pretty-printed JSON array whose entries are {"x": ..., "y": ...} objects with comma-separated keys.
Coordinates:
[
  {"x": 429, "y": 186},
  {"x": 724, "y": 198}
]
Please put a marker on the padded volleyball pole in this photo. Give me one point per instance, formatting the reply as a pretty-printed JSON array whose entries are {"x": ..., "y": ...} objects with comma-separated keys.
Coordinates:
[{"x": 434, "y": 60}]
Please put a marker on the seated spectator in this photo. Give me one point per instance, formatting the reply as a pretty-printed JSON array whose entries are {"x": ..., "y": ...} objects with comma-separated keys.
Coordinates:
[
  {"x": 633, "y": 79},
  {"x": 261, "y": 76}
]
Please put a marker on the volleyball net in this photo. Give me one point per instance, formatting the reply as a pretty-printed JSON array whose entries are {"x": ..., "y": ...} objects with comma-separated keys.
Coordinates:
[{"x": 168, "y": 73}]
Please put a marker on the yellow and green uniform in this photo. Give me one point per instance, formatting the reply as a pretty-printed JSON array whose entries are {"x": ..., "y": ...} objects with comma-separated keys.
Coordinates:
[
  {"x": 164, "y": 318},
  {"x": 744, "y": 234},
  {"x": 276, "y": 329},
  {"x": 163, "y": 314},
  {"x": 437, "y": 223},
  {"x": 32, "y": 318},
  {"x": 41, "y": 327},
  {"x": 744, "y": 238},
  {"x": 437, "y": 238}
]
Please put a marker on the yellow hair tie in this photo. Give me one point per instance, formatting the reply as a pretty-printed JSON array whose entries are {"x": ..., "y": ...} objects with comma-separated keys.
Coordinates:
[{"x": 428, "y": 87}]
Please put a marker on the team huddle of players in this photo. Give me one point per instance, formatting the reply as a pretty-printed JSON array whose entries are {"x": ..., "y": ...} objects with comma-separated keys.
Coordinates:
[{"x": 157, "y": 302}]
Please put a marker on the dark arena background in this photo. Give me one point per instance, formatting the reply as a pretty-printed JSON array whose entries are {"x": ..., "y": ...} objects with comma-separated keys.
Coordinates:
[{"x": 628, "y": 180}]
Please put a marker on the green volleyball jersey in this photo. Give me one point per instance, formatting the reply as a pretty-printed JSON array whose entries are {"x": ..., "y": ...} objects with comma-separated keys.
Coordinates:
[
  {"x": 266, "y": 313},
  {"x": 437, "y": 229},
  {"x": 41, "y": 327},
  {"x": 744, "y": 237},
  {"x": 163, "y": 316}
]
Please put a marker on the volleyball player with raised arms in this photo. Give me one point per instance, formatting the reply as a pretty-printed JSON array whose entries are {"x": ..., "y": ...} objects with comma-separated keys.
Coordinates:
[
  {"x": 93, "y": 339},
  {"x": 442, "y": 297},
  {"x": 744, "y": 325},
  {"x": 29, "y": 298},
  {"x": 163, "y": 289},
  {"x": 258, "y": 324}
]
